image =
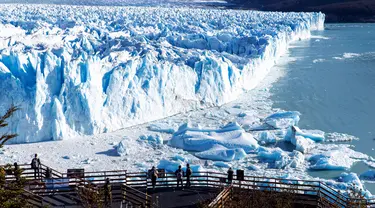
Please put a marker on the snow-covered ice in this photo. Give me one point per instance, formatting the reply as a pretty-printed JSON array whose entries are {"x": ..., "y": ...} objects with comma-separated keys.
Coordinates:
[
  {"x": 78, "y": 70},
  {"x": 197, "y": 139},
  {"x": 222, "y": 153},
  {"x": 283, "y": 120}
]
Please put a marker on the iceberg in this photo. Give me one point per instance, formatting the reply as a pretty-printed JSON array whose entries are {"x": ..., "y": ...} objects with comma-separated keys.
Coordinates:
[
  {"x": 199, "y": 140},
  {"x": 351, "y": 178},
  {"x": 334, "y": 160},
  {"x": 153, "y": 139},
  {"x": 162, "y": 128},
  {"x": 170, "y": 166},
  {"x": 279, "y": 159},
  {"x": 302, "y": 144},
  {"x": 267, "y": 137},
  {"x": 221, "y": 164},
  {"x": 314, "y": 135},
  {"x": 283, "y": 120},
  {"x": 221, "y": 153},
  {"x": 88, "y": 70},
  {"x": 122, "y": 148}
]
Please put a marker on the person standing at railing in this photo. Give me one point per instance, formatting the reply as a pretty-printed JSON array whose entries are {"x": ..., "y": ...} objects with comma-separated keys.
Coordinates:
[
  {"x": 35, "y": 165},
  {"x": 48, "y": 173},
  {"x": 230, "y": 175},
  {"x": 153, "y": 174},
  {"x": 179, "y": 174},
  {"x": 107, "y": 193},
  {"x": 17, "y": 172},
  {"x": 188, "y": 174}
]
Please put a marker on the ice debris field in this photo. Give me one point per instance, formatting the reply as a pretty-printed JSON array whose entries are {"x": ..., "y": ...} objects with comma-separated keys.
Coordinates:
[{"x": 87, "y": 79}]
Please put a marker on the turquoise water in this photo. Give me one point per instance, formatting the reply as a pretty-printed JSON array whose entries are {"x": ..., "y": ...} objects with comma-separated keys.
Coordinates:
[{"x": 332, "y": 83}]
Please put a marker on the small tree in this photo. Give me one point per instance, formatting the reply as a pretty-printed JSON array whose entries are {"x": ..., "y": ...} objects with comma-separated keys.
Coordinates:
[
  {"x": 6, "y": 137},
  {"x": 11, "y": 191}
]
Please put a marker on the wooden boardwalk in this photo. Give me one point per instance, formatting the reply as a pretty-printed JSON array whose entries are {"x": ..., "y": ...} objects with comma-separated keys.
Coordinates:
[{"x": 131, "y": 189}]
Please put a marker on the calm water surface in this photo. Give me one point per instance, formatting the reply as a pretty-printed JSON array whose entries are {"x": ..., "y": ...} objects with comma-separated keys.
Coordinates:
[{"x": 332, "y": 83}]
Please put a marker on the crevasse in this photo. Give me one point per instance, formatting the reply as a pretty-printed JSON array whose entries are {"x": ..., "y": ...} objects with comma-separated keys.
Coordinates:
[{"x": 87, "y": 70}]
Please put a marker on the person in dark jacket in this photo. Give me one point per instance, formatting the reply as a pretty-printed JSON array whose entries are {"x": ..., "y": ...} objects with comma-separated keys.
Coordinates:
[
  {"x": 48, "y": 173},
  {"x": 179, "y": 174},
  {"x": 230, "y": 175},
  {"x": 153, "y": 175},
  {"x": 35, "y": 165},
  {"x": 17, "y": 172},
  {"x": 188, "y": 174},
  {"x": 107, "y": 193}
]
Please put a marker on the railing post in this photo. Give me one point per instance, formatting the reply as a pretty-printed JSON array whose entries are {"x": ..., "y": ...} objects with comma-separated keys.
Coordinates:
[{"x": 207, "y": 178}]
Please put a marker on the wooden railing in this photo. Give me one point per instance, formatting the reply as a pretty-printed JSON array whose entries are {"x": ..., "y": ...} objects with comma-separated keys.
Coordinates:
[
  {"x": 135, "y": 197},
  {"x": 129, "y": 182},
  {"x": 222, "y": 198}
]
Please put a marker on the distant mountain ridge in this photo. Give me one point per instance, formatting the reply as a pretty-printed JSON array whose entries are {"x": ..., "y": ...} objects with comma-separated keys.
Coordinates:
[{"x": 335, "y": 10}]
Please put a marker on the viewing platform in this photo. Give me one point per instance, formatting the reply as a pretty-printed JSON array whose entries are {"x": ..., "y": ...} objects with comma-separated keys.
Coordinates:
[{"x": 208, "y": 189}]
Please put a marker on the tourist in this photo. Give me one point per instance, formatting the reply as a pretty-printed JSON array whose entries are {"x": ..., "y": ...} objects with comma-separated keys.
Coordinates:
[
  {"x": 48, "y": 173},
  {"x": 179, "y": 174},
  {"x": 230, "y": 175},
  {"x": 188, "y": 174},
  {"x": 153, "y": 174},
  {"x": 107, "y": 193},
  {"x": 35, "y": 165},
  {"x": 17, "y": 172}
]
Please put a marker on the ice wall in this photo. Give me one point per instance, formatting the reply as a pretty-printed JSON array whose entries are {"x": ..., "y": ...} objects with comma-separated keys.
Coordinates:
[{"x": 87, "y": 70}]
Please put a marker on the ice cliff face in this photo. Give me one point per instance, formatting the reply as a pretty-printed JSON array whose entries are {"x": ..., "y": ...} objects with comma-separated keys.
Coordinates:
[{"x": 87, "y": 70}]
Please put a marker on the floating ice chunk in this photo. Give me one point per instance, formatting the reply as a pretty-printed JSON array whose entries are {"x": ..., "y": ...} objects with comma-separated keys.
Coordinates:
[
  {"x": 222, "y": 153},
  {"x": 279, "y": 159},
  {"x": 276, "y": 158},
  {"x": 330, "y": 161},
  {"x": 335, "y": 157},
  {"x": 122, "y": 148},
  {"x": 178, "y": 158},
  {"x": 297, "y": 159},
  {"x": 170, "y": 166},
  {"x": 221, "y": 164},
  {"x": 155, "y": 139},
  {"x": 339, "y": 137},
  {"x": 267, "y": 137},
  {"x": 196, "y": 139},
  {"x": 283, "y": 120},
  {"x": 368, "y": 175},
  {"x": 253, "y": 167},
  {"x": 162, "y": 128},
  {"x": 350, "y": 178},
  {"x": 318, "y": 60},
  {"x": 302, "y": 144},
  {"x": 315, "y": 135}
]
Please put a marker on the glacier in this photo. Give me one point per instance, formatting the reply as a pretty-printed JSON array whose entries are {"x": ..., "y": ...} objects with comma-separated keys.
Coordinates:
[{"x": 81, "y": 70}]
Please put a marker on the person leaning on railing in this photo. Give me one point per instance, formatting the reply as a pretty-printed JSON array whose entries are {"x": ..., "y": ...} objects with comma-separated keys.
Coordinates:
[{"x": 230, "y": 175}]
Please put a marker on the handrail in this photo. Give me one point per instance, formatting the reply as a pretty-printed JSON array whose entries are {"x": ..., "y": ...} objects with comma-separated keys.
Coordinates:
[
  {"x": 221, "y": 198},
  {"x": 138, "y": 197},
  {"x": 205, "y": 178}
]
